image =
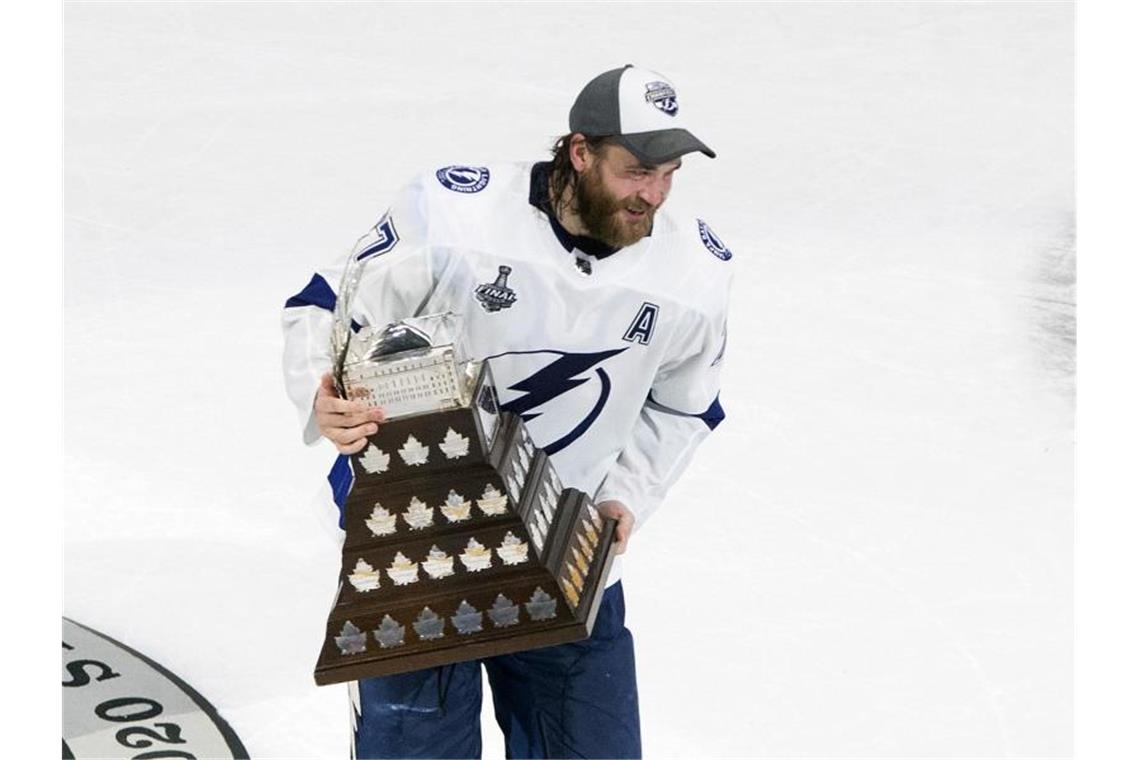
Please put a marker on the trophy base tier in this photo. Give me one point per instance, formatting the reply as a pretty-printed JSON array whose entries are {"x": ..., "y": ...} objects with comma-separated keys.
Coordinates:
[
  {"x": 527, "y": 610},
  {"x": 461, "y": 543}
]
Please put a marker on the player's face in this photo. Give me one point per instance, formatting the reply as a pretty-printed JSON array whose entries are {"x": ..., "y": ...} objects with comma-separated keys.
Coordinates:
[{"x": 617, "y": 195}]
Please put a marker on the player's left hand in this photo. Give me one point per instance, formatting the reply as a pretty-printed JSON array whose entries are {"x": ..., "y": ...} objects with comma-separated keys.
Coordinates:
[{"x": 620, "y": 512}]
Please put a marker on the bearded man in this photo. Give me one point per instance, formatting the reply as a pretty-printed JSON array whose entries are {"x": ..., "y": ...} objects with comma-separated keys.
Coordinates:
[{"x": 604, "y": 321}]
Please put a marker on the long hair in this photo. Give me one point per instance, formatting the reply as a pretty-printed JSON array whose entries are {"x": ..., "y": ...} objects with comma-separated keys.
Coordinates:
[{"x": 562, "y": 172}]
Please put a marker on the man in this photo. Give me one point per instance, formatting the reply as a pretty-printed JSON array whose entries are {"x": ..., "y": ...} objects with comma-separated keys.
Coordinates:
[{"x": 604, "y": 323}]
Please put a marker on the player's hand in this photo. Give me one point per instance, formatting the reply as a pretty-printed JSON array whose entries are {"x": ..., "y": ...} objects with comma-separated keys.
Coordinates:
[
  {"x": 346, "y": 423},
  {"x": 620, "y": 512}
]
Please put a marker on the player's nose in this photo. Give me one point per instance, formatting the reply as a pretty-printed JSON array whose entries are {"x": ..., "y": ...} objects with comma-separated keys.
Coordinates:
[{"x": 653, "y": 193}]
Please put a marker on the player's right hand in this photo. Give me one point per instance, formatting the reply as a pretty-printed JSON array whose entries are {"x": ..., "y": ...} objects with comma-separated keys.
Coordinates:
[{"x": 346, "y": 423}]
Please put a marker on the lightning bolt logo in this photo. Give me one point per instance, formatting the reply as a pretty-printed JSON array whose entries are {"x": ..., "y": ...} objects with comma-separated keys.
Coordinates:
[{"x": 557, "y": 378}]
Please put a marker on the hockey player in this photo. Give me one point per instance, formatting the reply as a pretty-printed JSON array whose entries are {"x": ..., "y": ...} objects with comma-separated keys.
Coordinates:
[{"x": 603, "y": 320}]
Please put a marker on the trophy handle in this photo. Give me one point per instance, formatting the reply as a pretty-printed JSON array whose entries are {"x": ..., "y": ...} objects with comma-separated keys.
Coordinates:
[{"x": 342, "y": 317}]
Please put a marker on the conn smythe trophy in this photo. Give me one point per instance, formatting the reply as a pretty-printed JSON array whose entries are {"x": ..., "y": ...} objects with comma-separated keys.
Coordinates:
[{"x": 460, "y": 540}]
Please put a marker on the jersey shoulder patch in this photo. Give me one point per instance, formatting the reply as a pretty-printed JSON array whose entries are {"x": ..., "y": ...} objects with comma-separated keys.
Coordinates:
[
  {"x": 715, "y": 245},
  {"x": 464, "y": 179}
]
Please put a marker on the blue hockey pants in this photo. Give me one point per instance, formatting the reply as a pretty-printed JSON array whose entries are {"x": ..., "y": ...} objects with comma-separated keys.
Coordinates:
[{"x": 571, "y": 700}]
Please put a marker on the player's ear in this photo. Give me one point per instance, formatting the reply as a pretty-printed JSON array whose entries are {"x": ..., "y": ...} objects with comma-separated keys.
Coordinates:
[{"x": 580, "y": 155}]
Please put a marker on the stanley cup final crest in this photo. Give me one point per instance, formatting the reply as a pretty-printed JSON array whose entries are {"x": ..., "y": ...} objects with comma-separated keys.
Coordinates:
[{"x": 497, "y": 295}]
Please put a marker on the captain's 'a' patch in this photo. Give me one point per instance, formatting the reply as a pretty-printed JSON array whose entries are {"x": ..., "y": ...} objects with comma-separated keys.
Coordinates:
[
  {"x": 380, "y": 239},
  {"x": 640, "y": 330}
]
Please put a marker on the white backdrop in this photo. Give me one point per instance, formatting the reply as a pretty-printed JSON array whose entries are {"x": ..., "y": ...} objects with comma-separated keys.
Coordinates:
[{"x": 870, "y": 558}]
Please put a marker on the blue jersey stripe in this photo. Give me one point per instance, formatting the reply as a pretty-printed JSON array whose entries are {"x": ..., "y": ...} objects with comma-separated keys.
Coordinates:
[
  {"x": 316, "y": 293},
  {"x": 340, "y": 480},
  {"x": 712, "y": 416}
]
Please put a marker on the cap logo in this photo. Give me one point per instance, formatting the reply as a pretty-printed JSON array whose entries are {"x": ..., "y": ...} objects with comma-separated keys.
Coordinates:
[
  {"x": 663, "y": 96},
  {"x": 464, "y": 179}
]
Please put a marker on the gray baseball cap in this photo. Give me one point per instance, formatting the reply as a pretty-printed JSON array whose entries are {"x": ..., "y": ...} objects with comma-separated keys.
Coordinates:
[{"x": 639, "y": 108}]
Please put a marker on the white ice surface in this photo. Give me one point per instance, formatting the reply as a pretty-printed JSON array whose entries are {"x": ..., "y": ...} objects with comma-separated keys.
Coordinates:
[{"x": 870, "y": 558}]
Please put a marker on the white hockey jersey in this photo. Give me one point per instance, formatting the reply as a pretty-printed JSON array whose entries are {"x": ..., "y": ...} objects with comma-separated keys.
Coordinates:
[{"x": 611, "y": 357}]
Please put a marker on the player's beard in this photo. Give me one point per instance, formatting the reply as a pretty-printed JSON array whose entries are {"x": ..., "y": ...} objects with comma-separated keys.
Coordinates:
[{"x": 600, "y": 212}]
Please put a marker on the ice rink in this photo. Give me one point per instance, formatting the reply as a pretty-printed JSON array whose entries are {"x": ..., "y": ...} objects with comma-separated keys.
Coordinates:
[{"x": 871, "y": 557}]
